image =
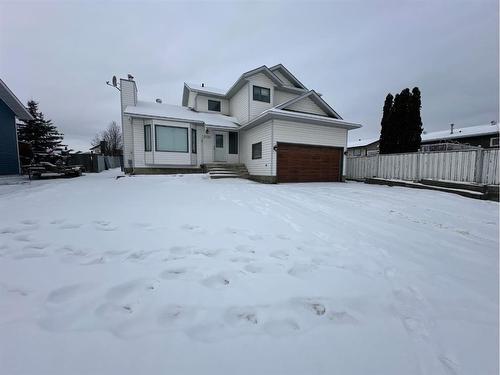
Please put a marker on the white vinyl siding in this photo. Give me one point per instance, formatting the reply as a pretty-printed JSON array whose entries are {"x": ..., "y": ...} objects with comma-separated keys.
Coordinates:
[
  {"x": 304, "y": 133},
  {"x": 238, "y": 105},
  {"x": 306, "y": 105},
  {"x": 202, "y": 104},
  {"x": 191, "y": 99},
  {"x": 261, "y": 133},
  {"x": 285, "y": 80},
  {"x": 281, "y": 97},
  {"x": 257, "y": 107}
]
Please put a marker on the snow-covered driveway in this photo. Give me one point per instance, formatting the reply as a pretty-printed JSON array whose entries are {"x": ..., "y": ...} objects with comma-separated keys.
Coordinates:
[{"x": 185, "y": 275}]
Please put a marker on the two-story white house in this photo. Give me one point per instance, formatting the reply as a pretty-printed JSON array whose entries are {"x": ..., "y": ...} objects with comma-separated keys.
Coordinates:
[{"x": 267, "y": 120}]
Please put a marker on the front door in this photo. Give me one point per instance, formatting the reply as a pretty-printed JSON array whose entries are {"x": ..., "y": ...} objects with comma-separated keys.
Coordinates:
[{"x": 220, "y": 154}]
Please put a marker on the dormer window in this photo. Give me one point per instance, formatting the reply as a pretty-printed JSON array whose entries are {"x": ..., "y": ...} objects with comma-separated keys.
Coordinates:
[
  {"x": 261, "y": 94},
  {"x": 214, "y": 105}
]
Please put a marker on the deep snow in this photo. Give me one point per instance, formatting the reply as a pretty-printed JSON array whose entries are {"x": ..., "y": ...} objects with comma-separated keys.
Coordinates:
[{"x": 186, "y": 275}]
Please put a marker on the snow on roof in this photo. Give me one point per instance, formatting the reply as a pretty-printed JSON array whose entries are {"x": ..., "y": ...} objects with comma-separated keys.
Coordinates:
[
  {"x": 470, "y": 131},
  {"x": 176, "y": 112},
  {"x": 208, "y": 90},
  {"x": 361, "y": 142}
]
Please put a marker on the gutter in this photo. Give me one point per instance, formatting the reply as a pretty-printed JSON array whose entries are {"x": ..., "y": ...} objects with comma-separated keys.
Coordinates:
[{"x": 292, "y": 116}]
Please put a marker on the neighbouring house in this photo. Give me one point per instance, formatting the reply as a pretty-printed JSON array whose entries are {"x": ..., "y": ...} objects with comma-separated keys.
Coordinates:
[
  {"x": 10, "y": 108},
  {"x": 485, "y": 136},
  {"x": 96, "y": 149},
  {"x": 363, "y": 147},
  {"x": 267, "y": 121}
]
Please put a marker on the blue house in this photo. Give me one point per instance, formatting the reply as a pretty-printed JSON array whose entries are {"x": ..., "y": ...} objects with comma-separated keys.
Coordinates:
[{"x": 10, "y": 108}]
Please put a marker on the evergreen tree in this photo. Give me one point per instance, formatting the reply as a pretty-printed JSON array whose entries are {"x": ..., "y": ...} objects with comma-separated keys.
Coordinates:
[
  {"x": 40, "y": 133},
  {"x": 386, "y": 131},
  {"x": 415, "y": 121},
  {"x": 401, "y": 123}
]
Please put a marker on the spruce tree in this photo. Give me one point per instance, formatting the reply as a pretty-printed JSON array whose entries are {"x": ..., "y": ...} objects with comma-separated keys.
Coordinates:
[
  {"x": 40, "y": 133},
  {"x": 385, "y": 131}
]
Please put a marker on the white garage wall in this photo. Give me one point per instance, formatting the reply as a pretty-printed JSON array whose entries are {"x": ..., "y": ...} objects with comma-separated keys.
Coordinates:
[{"x": 261, "y": 133}]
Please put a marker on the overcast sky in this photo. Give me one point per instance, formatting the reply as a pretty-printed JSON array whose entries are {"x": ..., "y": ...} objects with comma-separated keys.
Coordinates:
[{"x": 353, "y": 52}]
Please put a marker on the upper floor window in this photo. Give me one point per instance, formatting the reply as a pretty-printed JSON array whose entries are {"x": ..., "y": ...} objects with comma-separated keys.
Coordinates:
[
  {"x": 261, "y": 94},
  {"x": 214, "y": 105}
]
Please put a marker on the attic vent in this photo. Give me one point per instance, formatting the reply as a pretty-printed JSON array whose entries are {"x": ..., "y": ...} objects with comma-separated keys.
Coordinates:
[{"x": 158, "y": 100}]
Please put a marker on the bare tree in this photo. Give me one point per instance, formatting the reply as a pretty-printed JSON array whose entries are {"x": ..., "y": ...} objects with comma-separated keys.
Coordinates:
[{"x": 113, "y": 138}]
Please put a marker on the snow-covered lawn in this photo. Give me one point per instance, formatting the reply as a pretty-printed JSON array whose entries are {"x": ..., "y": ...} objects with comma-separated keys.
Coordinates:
[{"x": 185, "y": 275}]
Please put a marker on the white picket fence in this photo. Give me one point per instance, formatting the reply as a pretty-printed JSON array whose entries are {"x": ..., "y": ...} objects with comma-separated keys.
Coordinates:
[{"x": 479, "y": 165}]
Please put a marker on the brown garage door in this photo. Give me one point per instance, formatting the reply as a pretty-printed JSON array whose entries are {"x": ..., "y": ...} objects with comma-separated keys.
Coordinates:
[{"x": 308, "y": 163}]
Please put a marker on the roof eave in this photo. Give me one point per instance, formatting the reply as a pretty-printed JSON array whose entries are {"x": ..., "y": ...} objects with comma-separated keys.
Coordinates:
[
  {"x": 299, "y": 117},
  {"x": 20, "y": 110}
]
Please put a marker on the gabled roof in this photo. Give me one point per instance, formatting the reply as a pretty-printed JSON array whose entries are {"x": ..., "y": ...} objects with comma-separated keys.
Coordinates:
[
  {"x": 275, "y": 113},
  {"x": 288, "y": 75},
  {"x": 179, "y": 113},
  {"x": 470, "y": 131},
  {"x": 261, "y": 69},
  {"x": 318, "y": 100},
  {"x": 242, "y": 81},
  {"x": 13, "y": 102}
]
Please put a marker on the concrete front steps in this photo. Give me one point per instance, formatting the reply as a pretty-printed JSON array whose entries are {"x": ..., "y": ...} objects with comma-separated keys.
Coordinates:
[
  {"x": 226, "y": 170},
  {"x": 466, "y": 189}
]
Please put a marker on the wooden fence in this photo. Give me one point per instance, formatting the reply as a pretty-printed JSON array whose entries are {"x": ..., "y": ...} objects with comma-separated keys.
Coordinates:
[{"x": 478, "y": 165}]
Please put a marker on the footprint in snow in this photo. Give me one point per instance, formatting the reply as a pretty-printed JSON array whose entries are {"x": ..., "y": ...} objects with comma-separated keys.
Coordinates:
[
  {"x": 245, "y": 249},
  {"x": 57, "y": 221},
  {"x": 279, "y": 254},
  {"x": 22, "y": 238},
  {"x": 310, "y": 304},
  {"x": 279, "y": 328},
  {"x": 210, "y": 253},
  {"x": 242, "y": 316},
  {"x": 283, "y": 237},
  {"x": 300, "y": 270},
  {"x": 252, "y": 268},
  {"x": 241, "y": 259},
  {"x": 28, "y": 254},
  {"x": 66, "y": 293},
  {"x": 30, "y": 224},
  {"x": 175, "y": 315},
  {"x": 70, "y": 226},
  {"x": 173, "y": 273},
  {"x": 450, "y": 366},
  {"x": 104, "y": 225},
  {"x": 342, "y": 317},
  {"x": 255, "y": 237},
  {"x": 99, "y": 260},
  {"x": 216, "y": 281},
  {"x": 140, "y": 286},
  {"x": 9, "y": 230}
]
